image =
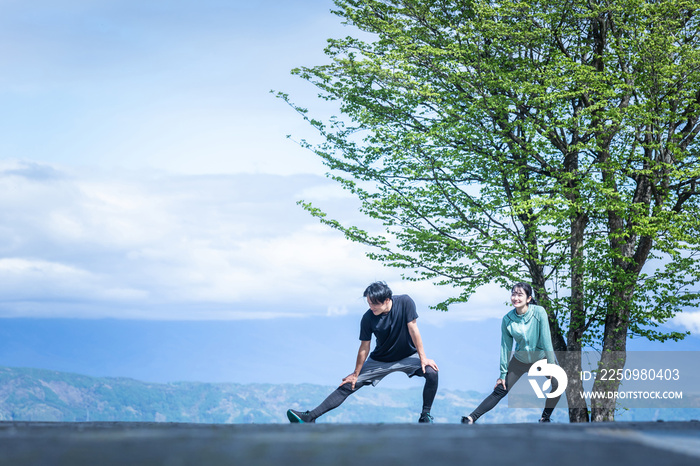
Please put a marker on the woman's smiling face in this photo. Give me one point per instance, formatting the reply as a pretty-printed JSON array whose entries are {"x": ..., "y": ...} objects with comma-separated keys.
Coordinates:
[{"x": 519, "y": 299}]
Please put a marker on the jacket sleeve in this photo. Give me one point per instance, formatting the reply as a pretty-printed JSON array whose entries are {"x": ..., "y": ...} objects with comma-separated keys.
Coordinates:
[
  {"x": 546, "y": 336},
  {"x": 506, "y": 346}
]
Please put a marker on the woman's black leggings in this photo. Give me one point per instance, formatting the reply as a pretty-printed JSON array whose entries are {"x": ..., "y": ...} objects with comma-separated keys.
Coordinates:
[{"x": 515, "y": 370}]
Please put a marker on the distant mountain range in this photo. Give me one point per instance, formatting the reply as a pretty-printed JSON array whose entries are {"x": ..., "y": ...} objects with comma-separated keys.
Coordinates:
[{"x": 44, "y": 395}]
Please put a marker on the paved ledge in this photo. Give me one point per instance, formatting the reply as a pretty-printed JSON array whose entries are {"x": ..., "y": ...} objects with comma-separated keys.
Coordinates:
[{"x": 170, "y": 444}]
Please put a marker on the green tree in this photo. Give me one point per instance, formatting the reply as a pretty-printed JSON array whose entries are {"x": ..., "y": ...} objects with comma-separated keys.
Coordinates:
[{"x": 551, "y": 139}]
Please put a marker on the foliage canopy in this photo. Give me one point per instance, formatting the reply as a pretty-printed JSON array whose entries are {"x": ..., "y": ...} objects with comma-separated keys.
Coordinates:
[{"x": 554, "y": 139}]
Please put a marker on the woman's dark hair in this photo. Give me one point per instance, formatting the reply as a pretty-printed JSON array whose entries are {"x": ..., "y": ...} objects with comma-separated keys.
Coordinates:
[
  {"x": 527, "y": 289},
  {"x": 377, "y": 292}
]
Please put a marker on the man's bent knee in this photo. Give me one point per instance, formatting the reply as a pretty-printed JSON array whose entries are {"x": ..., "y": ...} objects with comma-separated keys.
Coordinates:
[{"x": 430, "y": 373}]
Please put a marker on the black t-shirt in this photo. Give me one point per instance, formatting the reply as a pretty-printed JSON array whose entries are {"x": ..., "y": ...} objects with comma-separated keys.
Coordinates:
[{"x": 394, "y": 342}]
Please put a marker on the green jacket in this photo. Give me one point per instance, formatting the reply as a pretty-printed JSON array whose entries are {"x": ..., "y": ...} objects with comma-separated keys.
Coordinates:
[{"x": 530, "y": 332}]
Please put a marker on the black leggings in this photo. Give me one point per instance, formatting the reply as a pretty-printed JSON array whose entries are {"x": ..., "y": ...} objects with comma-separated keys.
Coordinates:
[
  {"x": 515, "y": 370},
  {"x": 339, "y": 395}
]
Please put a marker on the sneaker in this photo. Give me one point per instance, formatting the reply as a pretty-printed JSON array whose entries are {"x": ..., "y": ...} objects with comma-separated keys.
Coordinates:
[
  {"x": 299, "y": 417},
  {"x": 544, "y": 419},
  {"x": 467, "y": 420},
  {"x": 426, "y": 418}
]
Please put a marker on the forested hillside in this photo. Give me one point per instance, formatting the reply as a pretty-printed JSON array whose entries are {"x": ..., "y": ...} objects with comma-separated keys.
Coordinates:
[{"x": 44, "y": 395}]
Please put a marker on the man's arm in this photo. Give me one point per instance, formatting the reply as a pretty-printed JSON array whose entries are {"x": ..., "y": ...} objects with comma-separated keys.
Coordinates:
[
  {"x": 418, "y": 343},
  {"x": 362, "y": 354}
]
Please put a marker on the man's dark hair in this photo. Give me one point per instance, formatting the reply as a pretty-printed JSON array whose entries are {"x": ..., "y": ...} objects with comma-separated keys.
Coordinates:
[{"x": 377, "y": 292}]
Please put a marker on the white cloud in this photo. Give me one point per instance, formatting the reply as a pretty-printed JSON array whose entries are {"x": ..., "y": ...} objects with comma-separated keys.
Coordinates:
[
  {"x": 689, "y": 320},
  {"x": 231, "y": 242},
  {"x": 337, "y": 311},
  {"x": 39, "y": 280},
  {"x": 158, "y": 246}
]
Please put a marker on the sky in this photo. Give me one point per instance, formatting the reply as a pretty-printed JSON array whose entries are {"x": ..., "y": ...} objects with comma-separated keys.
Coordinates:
[{"x": 150, "y": 225}]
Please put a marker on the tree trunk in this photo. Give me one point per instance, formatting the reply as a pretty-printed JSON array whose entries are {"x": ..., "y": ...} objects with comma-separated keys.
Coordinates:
[
  {"x": 571, "y": 360},
  {"x": 612, "y": 358},
  {"x": 578, "y": 409}
]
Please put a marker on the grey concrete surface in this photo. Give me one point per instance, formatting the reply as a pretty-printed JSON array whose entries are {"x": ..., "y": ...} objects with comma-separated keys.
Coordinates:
[{"x": 110, "y": 443}]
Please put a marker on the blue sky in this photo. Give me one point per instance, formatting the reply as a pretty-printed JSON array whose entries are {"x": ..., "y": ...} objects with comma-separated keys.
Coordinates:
[{"x": 150, "y": 226}]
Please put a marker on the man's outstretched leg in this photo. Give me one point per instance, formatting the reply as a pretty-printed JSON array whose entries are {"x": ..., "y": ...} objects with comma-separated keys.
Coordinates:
[
  {"x": 333, "y": 400},
  {"x": 299, "y": 417}
]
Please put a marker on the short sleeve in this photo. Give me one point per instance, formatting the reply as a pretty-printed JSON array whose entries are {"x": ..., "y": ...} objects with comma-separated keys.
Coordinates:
[
  {"x": 365, "y": 328},
  {"x": 410, "y": 309}
]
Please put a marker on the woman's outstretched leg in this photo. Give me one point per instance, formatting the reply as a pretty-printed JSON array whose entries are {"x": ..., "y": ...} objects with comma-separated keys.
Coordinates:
[{"x": 515, "y": 370}]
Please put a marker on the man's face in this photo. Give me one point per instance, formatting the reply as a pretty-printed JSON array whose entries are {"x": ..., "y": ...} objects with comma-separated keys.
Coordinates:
[{"x": 381, "y": 308}]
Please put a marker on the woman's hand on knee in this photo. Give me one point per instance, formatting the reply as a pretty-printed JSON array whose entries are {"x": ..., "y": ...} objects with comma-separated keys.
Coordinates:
[{"x": 502, "y": 383}]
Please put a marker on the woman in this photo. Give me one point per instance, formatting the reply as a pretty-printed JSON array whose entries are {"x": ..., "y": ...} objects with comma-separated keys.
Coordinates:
[{"x": 528, "y": 326}]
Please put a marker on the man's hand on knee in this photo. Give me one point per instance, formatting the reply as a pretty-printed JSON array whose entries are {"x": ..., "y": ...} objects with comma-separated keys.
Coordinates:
[
  {"x": 352, "y": 378},
  {"x": 428, "y": 362}
]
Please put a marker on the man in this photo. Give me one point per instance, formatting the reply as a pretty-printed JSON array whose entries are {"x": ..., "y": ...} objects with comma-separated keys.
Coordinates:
[{"x": 399, "y": 348}]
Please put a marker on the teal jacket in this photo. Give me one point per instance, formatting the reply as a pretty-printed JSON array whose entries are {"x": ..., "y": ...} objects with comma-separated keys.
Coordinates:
[{"x": 530, "y": 332}]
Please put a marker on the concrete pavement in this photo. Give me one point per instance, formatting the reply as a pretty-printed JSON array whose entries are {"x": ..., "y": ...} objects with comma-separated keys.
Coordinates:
[{"x": 169, "y": 444}]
